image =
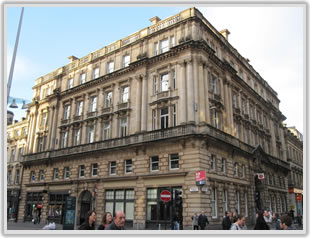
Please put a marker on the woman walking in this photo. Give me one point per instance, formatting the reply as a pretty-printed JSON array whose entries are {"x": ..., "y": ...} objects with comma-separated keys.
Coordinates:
[
  {"x": 260, "y": 222},
  {"x": 107, "y": 220}
]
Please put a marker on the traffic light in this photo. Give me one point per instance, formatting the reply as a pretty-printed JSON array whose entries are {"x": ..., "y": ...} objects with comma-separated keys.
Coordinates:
[{"x": 257, "y": 196}]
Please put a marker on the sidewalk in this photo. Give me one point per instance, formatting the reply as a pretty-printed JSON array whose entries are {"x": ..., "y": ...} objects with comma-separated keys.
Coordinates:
[{"x": 28, "y": 226}]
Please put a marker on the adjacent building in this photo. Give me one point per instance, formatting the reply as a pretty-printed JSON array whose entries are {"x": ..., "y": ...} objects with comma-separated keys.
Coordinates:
[
  {"x": 119, "y": 126},
  {"x": 16, "y": 144},
  {"x": 295, "y": 179}
]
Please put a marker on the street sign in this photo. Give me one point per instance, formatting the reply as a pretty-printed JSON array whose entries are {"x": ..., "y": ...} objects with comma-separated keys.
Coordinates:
[
  {"x": 298, "y": 197},
  {"x": 201, "y": 177},
  {"x": 261, "y": 176},
  {"x": 165, "y": 196}
]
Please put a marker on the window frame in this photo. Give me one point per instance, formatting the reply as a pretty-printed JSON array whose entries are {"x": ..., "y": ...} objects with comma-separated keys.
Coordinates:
[
  {"x": 163, "y": 49},
  {"x": 213, "y": 162},
  {"x": 164, "y": 82},
  {"x": 123, "y": 126},
  {"x": 214, "y": 203},
  {"x": 55, "y": 174},
  {"x": 81, "y": 171},
  {"x": 154, "y": 162},
  {"x": 173, "y": 160},
  {"x": 164, "y": 117},
  {"x": 82, "y": 78},
  {"x": 126, "y": 62},
  {"x": 94, "y": 169},
  {"x": 96, "y": 72},
  {"x": 112, "y": 165},
  {"x": 110, "y": 67},
  {"x": 130, "y": 165},
  {"x": 70, "y": 83},
  {"x": 66, "y": 174},
  {"x": 124, "y": 94}
]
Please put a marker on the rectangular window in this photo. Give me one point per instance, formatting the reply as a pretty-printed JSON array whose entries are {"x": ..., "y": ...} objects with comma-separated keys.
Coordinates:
[
  {"x": 164, "y": 82},
  {"x": 79, "y": 108},
  {"x": 164, "y": 118},
  {"x": 174, "y": 161},
  {"x": 41, "y": 175},
  {"x": 32, "y": 176},
  {"x": 64, "y": 139},
  {"x": 76, "y": 136},
  {"x": 156, "y": 48},
  {"x": 108, "y": 99},
  {"x": 172, "y": 41},
  {"x": 154, "y": 119},
  {"x": 91, "y": 134},
  {"x": 93, "y": 104},
  {"x": 70, "y": 83},
  {"x": 55, "y": 174},
  {"x": 66, "y": 112},
  {"x": 124, "y": 94},
  {"x": 112, "y": 167},
  {"x": 126, "y": 60},
  {"x": 82, "y": 78},
  {"x": 155, "y": 90},
  {"x": 96, "y": 73},
  {"x": 237, "y": 202},
  {"x": 213, "y": 203},
  {"x": 236, "y": 169},
  {"x": 216, "y": 119},
  {"x": 223, "y": 166},
  {"x": 17, "y": 176},
  {"x": 128, "y": 166},
  {"x": 164, "y": 46},
  {"x": 213, "y": 84},
  {"x": 123, "y": 127},
  {"x": 9, "y": 178},
  {"x": 110, "y": 67},
  {"x": 244, "y": 109},
  {"x": 212, "y": 162},
  {"x": 43, "y": 119},
  {"x": 81, "y": 171},
  {"x": 243, "y": 171},
  {"x": 235, "y": 100},
  {"x": 174, "y": 115},
  {"x": 246, "y": 204},
  {"x": 251, "y": 111},
  {"x": 12, "y": 157},
  {"x": 173, "y": 79},
  {"x": 154, "y": 163},
  {"x": 66, "y": 172},
  {"x": 106, "y": 130},
  {"x": 225, "y": 202},
  {"x": 94, "y": 169}
]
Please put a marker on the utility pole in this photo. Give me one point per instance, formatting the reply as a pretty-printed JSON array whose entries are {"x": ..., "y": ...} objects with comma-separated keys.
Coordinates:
[{"x": 14, "y": 55}]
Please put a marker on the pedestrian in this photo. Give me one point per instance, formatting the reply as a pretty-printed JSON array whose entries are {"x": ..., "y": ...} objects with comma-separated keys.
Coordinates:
[
  {"x": 202, "y": 220},
  {"x": 35, "y": 215},
  {"x": 260, "y": 222},
  {"x": 195, "y": 222},
  {"x": 268, "y": 218},
  {"x": 176, "y": 221},
  {"x": 234, "y": 217},
  {"x": 239, "y": 224},
  {"x": 276, "y": 221},
  {"x": 107, "y": 220},
  {"x": 286, "y": 223},
  {"x": 226, "y": 222},
  {"x": 118, "y": 222},
  {"x": 89, "y": 223},
  {"x": 299, "y": 219}
]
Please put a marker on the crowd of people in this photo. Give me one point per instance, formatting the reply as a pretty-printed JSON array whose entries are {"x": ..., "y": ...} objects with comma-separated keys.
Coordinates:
[{"x": 108, "y": 222}]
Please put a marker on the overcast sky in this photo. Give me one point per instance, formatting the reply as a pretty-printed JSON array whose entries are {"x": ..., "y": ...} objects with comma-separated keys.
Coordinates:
[{"x": 271, "y": 37}]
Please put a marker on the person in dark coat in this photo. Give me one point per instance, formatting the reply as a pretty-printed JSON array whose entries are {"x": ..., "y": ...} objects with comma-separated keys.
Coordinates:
[
  {"x": 286, "y": 223},
  {"x": 89, "y": 223},
  {"x": 118, "y": 222},
  {"x": 107, "y": 220},
  {"x": 226, "y": 222},
  {"x": 260, "y": 222},
  {"x": 202, "y": 220}
]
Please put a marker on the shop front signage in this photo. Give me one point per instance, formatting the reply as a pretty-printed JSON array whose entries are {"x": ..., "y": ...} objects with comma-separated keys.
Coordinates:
[
  {"x": 298, "y": 197},
  {"x": 201, "y": 177}
]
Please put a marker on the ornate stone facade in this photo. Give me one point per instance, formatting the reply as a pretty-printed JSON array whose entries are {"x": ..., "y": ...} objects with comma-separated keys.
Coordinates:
[{"x": 143, "y": 115}]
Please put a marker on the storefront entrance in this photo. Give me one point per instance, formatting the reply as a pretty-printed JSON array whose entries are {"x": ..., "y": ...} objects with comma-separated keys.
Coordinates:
[
  {"x": 159, "y": 214},
  {"x": 86, "y": 199}
]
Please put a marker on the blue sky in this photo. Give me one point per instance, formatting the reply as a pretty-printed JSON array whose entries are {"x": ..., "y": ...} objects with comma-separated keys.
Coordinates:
[{"x": 271, "y": 37}]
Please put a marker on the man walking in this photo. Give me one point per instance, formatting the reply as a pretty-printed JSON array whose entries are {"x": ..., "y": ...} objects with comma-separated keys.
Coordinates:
[
  {"x": 202, "y": 220},
  {"x": 118, "y": 222},
  {"x": 268, "y": 218},
  {"x": 226, "y": 222}
]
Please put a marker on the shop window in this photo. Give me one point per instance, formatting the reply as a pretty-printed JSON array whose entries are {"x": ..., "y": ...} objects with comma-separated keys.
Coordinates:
[
  {"x": 174, "y": 161},
  {"x": 56, "y": 207},
  {"x": 120, "y": 200}
]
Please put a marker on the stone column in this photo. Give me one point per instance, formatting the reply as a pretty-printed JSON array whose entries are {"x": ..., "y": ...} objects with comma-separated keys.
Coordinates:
[
  {"x": 202, "y": 93},
  {"x": 227, "y": 115},
  {"x": 35, "y": 125},
  {"x": 206, "y": 82},
  {"x": 138, "y": 104},
  {"x": 182, "y": 89},
  {"x": 196, "y": 94},
  {"x": 50, "y": 117},
  {"x": 144, "y": 103},
  {"x": 100, "y": 101},
  {"x": 84, "y": 133},
  {"x": 190, "y": 92}
]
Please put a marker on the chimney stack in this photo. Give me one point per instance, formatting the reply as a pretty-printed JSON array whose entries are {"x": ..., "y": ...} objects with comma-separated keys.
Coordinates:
[
  {"x": 154, "y": 20},
  {"x": 72, "y": 58},
  {"x": 225, "y": 33}
]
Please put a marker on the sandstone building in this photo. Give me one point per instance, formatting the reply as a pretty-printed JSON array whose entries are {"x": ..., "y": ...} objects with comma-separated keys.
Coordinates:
[{"x": 120, "y": 125}]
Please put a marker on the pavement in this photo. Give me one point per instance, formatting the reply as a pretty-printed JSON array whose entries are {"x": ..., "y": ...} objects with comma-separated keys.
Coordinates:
[{"x": 31, "y": 226}]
